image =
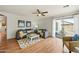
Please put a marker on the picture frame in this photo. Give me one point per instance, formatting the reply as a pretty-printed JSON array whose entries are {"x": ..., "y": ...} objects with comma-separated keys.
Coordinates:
[
  {"x": 28, "y": 23},
  {"x": 21, "y": 23}
]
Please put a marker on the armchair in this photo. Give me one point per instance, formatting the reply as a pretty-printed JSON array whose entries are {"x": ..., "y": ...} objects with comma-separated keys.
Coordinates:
[{"x": 70, "y": 44}]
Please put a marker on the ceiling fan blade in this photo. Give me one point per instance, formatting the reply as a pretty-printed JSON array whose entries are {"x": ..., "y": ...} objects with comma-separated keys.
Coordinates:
[
  {"x": 42, "y": 14},
  {"x": 45, "y": 12},
  {"x": 38, "y": 11}
]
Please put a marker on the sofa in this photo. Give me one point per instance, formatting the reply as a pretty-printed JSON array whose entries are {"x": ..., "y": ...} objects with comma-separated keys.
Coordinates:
[
  {"x": 70, "y": 44},
  {"x": 22, "y": 33},
  {"x": 42, "y": 32}
]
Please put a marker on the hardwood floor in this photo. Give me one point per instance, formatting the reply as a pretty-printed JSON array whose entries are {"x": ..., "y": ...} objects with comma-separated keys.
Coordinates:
[
  {"x": 3, "y": 41},
  {"x": 49, "y": 45}
]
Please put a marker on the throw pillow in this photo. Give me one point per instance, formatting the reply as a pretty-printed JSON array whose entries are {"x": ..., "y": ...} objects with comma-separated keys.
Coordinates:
[
  {"x": 21, "y": 34},
  {"x": 75, "y": 37}
]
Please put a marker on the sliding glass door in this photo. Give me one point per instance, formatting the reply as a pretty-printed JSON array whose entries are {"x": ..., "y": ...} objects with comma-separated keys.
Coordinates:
[
  {"x": 68, "y": 27},
  {"x": 63, "y": 27}
]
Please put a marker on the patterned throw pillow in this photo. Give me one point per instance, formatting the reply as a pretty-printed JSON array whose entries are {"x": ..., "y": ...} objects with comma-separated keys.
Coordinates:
[
  {"x": 21, "y": 34},
  {"x": 75, "y": 37}
]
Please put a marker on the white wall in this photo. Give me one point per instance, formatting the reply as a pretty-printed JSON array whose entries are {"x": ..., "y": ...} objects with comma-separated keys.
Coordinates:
[{"x": 46, "y": 23}]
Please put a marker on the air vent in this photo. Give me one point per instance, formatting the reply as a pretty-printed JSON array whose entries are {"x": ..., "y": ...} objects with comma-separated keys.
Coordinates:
[{"x": 65, "y": 6}]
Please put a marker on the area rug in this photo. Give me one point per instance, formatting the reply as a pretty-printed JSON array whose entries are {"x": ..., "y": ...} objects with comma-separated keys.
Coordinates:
[{"x": 23, "y": 43}]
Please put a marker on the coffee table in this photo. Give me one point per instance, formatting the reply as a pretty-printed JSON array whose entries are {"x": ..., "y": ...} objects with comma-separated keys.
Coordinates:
[{"x": 32, "y": 37}]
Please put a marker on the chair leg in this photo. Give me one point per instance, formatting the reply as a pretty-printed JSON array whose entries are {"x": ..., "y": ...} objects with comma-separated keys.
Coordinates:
[
  {"x": 69, "y": 47},
  {"x": 69, "y": 51}
]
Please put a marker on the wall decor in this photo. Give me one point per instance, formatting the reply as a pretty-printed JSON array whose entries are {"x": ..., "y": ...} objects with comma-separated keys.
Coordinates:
[
  {"x": 21, "y": 23},
  {"x": 28, "y": 23}
]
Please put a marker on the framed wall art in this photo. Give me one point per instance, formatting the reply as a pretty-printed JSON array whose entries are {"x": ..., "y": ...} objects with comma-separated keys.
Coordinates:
[
  {"x": 21, "y": 23},
  {"x": 28, "y": 23}
]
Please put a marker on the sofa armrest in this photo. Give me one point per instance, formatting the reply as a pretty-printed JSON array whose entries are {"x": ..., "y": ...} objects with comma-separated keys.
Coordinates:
[{"x": 67, "y": 38}]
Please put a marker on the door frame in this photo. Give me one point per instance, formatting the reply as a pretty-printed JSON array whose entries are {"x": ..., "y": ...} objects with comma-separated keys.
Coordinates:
[{"x": 5, "y": 18}]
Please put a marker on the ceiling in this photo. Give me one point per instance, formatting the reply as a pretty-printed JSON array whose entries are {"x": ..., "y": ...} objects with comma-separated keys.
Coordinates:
[{"x": 25, "y": 10}]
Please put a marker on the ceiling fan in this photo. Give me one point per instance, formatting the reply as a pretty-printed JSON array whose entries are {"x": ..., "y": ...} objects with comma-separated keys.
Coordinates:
[{"x": 40, "y": 13}]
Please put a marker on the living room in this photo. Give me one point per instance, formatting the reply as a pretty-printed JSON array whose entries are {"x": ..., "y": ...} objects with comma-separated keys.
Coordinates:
[{"x": 25, "y": 17}]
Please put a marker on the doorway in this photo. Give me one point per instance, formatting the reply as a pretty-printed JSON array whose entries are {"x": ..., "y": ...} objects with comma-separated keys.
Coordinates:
[{"x": 3, "y": 31}]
